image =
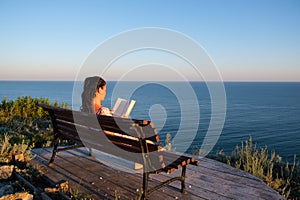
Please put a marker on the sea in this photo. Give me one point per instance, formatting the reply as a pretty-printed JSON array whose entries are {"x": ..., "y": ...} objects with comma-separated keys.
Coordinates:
[{"x": 268, "y": 112}]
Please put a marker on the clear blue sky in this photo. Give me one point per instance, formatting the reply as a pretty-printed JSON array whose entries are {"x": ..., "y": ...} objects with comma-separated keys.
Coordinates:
[{"x": 257, "y": 40}]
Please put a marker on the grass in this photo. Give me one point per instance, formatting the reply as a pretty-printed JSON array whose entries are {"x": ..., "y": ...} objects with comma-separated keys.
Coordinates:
[
  {"x": 139, "y": 197},
  {"x": 268, "y": 166},
  {"x": 13, "y": 152},
  {"x": 24, "y": 121},
  {"x": 23, "y": 126},
  {"x": 19, "y": 156}
]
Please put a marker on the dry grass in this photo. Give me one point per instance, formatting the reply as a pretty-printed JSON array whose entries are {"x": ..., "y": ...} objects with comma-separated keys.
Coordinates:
[
  {"x": 18, "y": 152},
  {"x": 282, "y": 177}
]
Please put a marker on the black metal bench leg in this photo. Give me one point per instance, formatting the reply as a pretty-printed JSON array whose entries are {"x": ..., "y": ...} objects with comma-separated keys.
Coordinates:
[
  {"x": 55, "y": 145},
  {"x": 183, "y": 189},
  {"x": 145, "y": 184},
  {"x": 90, "y": 152}
]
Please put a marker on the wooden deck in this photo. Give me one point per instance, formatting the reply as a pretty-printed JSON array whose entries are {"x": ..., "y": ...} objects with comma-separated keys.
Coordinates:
[{"x": 210, "y": 180}]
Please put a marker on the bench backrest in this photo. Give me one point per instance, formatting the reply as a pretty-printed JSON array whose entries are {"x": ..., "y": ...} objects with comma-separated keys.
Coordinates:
[{"x": 127, "y": 138}]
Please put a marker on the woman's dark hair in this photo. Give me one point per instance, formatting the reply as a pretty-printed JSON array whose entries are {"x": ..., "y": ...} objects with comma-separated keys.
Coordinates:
[{"x": 91, "y": 85}]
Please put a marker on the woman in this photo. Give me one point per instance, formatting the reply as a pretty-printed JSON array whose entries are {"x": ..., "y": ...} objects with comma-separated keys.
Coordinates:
[{"x": 94, "y": 92}]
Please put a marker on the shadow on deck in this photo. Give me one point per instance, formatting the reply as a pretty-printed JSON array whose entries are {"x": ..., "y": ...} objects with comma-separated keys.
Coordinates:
[{"x": 210, "y": 180}]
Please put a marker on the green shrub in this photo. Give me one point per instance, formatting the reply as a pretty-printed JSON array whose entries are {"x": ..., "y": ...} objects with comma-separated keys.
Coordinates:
[
  {"x": 26, "y": 122},
  {"x": 283, "y": 177},
  {"x": 26, "y": 108}
]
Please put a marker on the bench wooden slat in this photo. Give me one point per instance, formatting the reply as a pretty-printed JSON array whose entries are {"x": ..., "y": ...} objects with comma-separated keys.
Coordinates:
[
  {"x": 125, "y": 143},
  {"x": 173, "y": 156},
  {"x": 66, "y": 127},
  {"x": 133, "y": 155},
  {"x": 196, "y": 163},
  {"x": 66, "y": 116},
  {"x": 68, "y": 136},
  {"x": 125, "y": 125},
  {"x": 179, "y": 161}
]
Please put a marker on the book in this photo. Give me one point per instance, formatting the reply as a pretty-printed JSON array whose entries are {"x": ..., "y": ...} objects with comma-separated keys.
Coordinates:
[{"x": 123, "y": 107}]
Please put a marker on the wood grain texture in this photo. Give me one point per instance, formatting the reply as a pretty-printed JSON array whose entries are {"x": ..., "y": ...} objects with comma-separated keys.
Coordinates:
[{"x": 209, "y": 180}]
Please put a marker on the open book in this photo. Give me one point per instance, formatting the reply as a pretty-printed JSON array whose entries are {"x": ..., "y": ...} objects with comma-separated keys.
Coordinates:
[{"x": 123, "y": 107}]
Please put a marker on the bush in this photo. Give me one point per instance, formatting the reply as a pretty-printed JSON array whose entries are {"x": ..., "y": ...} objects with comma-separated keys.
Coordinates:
[
  {"x": 26, "y": 108},
  {"x": 25, "y": 122},
  {"x": 282, "y": 177}
]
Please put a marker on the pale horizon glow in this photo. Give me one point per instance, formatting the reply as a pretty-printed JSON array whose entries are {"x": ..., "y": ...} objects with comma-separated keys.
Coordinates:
[{"x": 247, "y": 40}]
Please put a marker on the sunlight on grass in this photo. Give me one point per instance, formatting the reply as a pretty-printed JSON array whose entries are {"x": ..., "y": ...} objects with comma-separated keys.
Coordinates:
[{"x": 282, "y": 177}]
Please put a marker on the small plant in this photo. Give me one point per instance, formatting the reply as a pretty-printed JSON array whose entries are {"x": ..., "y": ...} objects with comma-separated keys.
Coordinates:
[
  {"x": 169, "y": 143},
  {"x": 117, "y": 197},
  {"x": 284, "y": 178},
  {"x": 76, "y": 194},
  {"x": 26, "y": 122},
  {"x": 18, "y": 152},
  {"x": 25, "y": 125}
]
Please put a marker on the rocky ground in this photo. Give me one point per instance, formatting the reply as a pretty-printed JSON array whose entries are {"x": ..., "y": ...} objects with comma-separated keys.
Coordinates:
[{"x": 15, "y": 184}]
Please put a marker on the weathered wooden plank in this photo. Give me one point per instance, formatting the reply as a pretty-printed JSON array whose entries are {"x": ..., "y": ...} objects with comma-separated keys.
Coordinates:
[
  {"x": 87, "y": 176},
  {"x": 126, "y": 184},
  {"x": 128, "y": 180},
  {"x": 210, "y": 180},
  {"x": 231, "y": 185},
  {"x": 56, "y": 173},
  {"x": 225, "y": 172}
]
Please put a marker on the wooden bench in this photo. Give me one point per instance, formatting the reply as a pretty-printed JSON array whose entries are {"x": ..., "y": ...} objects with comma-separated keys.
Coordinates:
[{"x": 131, "y": 139}]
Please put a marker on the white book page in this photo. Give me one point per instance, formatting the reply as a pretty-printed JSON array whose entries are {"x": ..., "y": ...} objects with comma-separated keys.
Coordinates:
[
  {"x": 129, "y": 108},
  {"x": 122, "y": 107}
]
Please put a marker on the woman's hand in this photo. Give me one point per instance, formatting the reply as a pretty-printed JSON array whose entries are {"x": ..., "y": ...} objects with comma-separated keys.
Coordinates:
[{"x": 105, "y": 111}]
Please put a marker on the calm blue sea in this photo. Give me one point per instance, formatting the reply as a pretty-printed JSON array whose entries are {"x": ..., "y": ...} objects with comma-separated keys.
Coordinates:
[{"x": 267, "y": 111}]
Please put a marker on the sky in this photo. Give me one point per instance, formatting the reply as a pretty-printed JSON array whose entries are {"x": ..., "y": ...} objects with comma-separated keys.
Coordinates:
[{"x": 257, "y": 40}]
